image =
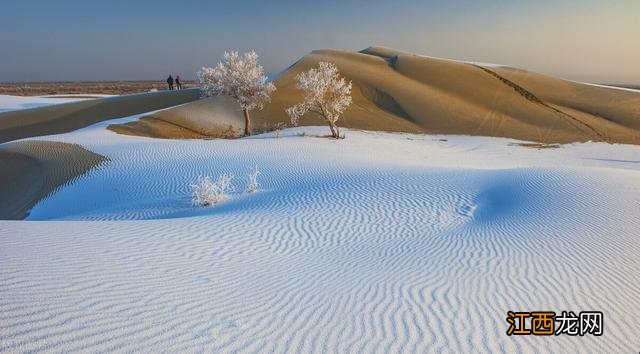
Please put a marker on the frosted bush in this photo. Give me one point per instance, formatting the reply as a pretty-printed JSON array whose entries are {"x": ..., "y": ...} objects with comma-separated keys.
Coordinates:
[
  {"x": 253, "y": 185},
  {"x": 277, "y": 128},
  {"x": 207, "y": 192}
]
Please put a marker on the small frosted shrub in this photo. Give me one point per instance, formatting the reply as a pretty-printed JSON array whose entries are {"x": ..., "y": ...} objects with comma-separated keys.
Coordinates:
[
  {"x": 207, "y": 192},
  {"x": 253, "y": 185},
  {"x": 277, "y": 129}
]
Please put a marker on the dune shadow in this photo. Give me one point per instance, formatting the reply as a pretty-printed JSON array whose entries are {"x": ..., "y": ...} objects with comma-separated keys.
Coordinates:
[{"x": 611, "y": 160}]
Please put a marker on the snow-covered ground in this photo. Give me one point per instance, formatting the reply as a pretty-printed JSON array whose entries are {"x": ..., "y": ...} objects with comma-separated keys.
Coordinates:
[
  {"x": 609, "y": 87},
  {"x": 377, "y": 243},
  {"x": 13, "y": 103}
]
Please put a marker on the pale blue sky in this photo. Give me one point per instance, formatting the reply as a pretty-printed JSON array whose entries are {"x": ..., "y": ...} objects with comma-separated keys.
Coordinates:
[{"x": 589, "y": 40}]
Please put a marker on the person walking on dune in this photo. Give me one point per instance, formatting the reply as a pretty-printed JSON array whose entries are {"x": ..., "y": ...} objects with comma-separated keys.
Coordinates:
[
  {"x": 170, "y": 82},
  {"x": 178, "y": 83}
]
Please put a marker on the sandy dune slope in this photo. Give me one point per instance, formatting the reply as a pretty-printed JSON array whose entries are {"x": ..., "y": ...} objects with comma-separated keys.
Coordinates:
[
  {"x": 66, "y": 117},
  {"x": 397, "y": 91},
  {"x": 216, "y": 117},
  {"x": 618, "y": 106},
  {"x": 30, "y": 170},
  {"x": 443, "y": 96}
]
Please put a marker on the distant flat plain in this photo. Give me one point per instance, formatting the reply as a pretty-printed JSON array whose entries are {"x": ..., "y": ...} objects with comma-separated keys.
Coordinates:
[{"x": 83, "y": 87}]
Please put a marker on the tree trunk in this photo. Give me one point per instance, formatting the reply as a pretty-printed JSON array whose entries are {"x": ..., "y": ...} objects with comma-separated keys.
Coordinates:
[
  {"x": 335, "y": 133},
  {"x": 247, "y": 123}
]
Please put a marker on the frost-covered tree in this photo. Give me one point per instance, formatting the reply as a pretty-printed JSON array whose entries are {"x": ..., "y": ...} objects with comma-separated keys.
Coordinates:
[
  {"x": 242, "y": 78},
  {"x": 326, "y": 93}
]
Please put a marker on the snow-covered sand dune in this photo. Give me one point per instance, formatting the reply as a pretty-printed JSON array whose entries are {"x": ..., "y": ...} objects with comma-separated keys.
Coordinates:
[
  {"x": 14, "y": 103},
  {"x": 376, "y": 243}
]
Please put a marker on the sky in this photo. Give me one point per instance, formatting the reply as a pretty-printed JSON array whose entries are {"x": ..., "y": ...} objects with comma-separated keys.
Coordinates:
[{"x": 71, "y": 40}]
